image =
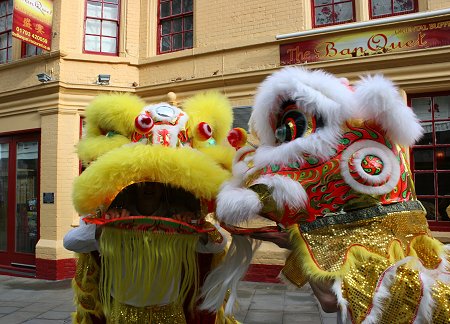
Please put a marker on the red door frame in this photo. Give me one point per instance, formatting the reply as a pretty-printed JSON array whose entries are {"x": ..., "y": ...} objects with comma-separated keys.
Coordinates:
[{"x": 10, "y": 259}]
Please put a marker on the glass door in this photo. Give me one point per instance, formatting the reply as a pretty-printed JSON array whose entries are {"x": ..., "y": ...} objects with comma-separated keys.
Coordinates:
[
  {"x": 19, "y": 200},
  {"x": 26, "y": 196},
  {"x": 4, "y": 168}
]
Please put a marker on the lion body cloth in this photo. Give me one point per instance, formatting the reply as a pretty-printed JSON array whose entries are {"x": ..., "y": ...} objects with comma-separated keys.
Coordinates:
[{"x": 332, "y": 169}]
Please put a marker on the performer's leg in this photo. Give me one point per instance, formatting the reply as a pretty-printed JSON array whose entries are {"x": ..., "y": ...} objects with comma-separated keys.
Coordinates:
[{"x": 327, "y": 299}]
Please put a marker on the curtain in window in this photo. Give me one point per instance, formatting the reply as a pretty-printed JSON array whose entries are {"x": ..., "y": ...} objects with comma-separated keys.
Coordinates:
[
  {"x": 102, "y": 27},
  {"x": 384, "y": 7},
  {"x": 330, "y": 12}
]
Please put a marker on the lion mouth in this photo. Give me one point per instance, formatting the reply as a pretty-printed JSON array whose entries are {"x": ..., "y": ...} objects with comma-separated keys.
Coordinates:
[{"x": 157, "y": 199}]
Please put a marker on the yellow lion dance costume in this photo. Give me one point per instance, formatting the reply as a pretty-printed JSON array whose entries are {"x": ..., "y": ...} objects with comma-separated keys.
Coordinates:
[{"x": 150, "y": 259}]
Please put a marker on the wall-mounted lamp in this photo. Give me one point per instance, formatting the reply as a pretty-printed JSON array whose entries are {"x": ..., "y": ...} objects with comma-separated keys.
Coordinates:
[
  {"x": 103, "y": 78},
  {"x": 44, "y": 77}
]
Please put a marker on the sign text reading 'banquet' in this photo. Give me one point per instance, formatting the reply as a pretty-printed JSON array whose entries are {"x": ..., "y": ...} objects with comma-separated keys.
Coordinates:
[{"x": 367, "y": 43}]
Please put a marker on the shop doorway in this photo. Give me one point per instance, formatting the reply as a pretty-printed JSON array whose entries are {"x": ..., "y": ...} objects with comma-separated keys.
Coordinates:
[{"x": 19, "y": 201}]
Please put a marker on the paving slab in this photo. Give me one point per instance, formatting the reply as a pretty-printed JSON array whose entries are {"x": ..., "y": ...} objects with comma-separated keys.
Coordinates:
[{"x": 33, "y": 301}]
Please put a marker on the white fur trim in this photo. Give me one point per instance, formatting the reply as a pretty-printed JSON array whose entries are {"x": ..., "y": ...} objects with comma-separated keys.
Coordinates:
[
  {"x": 321, "y": 144},
  {"x": 285, "y": 191},
  {"x": 426, "y": 306},
  {"x": 236, "y": 205},
  {"x": 342, "y": 302},
  {"x": 314, "y": 90},
  {"x": 227, "y": 275},
  {"x": 315, "y": 93},
  {"x": 379, "y": 99},
  {"x": 241, "y": 162},
  {"x": 389, "y": 176},
  {"x": 241, "y": 152},
  {"x": 383, "y": 292}
]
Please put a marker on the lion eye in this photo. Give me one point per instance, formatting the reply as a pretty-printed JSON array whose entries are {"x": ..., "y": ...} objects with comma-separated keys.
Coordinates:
[
  {"x": 293, "y": 125},
  {"x": 143, "y": 123},
  {"x": 205, "y": 131}
]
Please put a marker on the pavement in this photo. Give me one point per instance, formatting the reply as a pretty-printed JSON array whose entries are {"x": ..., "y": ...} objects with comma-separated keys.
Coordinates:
[{"x": 34, "y": 301}]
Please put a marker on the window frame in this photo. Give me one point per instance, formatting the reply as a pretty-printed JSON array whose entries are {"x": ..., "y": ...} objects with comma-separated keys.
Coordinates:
[
  {"x": 332, "y": 4},
  {"x": 101, "y": 19},
  {"x": 371, "y": 16},
  {"x": 8, "y": 33},
  {"x": 436, "y": 224},
  {"x": 171, "y": 18},
  {"x": 23, "y": 50}
]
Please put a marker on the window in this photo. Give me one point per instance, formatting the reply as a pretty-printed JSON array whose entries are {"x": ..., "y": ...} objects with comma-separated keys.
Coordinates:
[
  {"x": 101, "y": 28},
  {"x": 30, "y": 50},
  {"x": 332, "y": 12},
  {"x": 175, "y": 25},
  {"x": 241, "y": 116},
  {"x": 384, "y": 8},
  {"x": 6, "y": 15},
  {"x": 430, "y": 158}
]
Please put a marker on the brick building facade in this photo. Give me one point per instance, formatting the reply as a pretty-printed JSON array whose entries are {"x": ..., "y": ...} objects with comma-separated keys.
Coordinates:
[{"x": 153, "y": 47}]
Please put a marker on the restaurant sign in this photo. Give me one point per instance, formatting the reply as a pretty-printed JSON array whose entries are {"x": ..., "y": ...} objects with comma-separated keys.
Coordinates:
[
  {"x": 387, "y": 40},
  {"x": 32, "y": 22}
]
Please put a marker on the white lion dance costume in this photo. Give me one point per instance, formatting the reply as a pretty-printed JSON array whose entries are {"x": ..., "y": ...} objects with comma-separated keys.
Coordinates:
[
  {"x": 149, "y": 266},
  {"x": 331, "y": 170}
]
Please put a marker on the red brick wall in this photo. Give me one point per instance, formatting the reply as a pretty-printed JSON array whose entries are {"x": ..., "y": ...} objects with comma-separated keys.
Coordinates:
[
  {"x": 55, "y": 269},
  {"x": 263, "y": 273}
]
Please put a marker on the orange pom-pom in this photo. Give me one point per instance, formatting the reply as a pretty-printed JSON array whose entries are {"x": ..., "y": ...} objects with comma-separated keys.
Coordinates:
[{"x": 237, "y": 137}]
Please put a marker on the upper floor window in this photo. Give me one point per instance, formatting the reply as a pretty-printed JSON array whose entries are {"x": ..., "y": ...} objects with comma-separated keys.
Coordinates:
[
  {"x": 332, "y": 12},
  {"x": 175, "y": 25},
  {"x": 101, "y": 28},
  {"x": 385, "y": 8},
  {"x": 30, "y": 50},
  {"x": 6, "y": 16}
]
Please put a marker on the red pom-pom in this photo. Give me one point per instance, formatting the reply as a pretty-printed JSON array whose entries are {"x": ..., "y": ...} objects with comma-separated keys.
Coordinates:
[
  {"x": 143, "y": 123},
  {"x": 204, "y": 131},
  {"x": 237, "y": 137}
]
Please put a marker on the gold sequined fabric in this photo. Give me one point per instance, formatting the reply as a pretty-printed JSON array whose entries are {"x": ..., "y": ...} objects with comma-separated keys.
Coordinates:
[
  {"x": 441, "y": 296},
  {"x": 329, "y": 245},
  {"x": 381, "y": 262},
  {"x": 292, "y": 272},
  {"x": 156, "y": 314},
  {"x": 359, "y": 284},
  {"x": 405, "y": 297},
  {"x": 214, "y": 235}
]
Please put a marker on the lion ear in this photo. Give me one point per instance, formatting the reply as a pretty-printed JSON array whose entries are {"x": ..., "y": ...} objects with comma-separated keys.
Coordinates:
[
  {"x": 211, "y": 108},
  {"x": 379, "y": 100},
  {"x": 114, "y": 112},
  {"x": 109, "y": 124}
]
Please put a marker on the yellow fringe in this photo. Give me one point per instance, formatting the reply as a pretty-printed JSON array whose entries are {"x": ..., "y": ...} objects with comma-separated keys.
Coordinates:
[{"x": 157, "y": 260}]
